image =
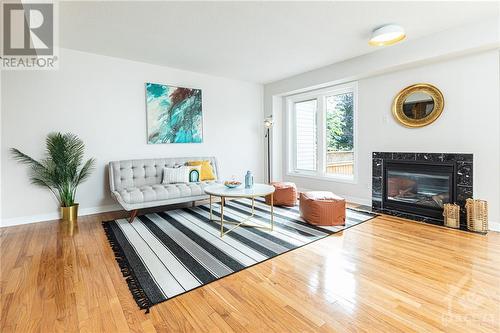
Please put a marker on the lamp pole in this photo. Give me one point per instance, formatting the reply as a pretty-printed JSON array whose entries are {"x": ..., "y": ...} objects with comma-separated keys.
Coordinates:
[
  {"x": 268, "y": 157},
  {"x": 268, "y": 123}
]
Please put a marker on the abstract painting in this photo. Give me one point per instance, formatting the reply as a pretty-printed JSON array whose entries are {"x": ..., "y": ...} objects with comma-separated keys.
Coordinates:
[{"x": 174, "y": 114}]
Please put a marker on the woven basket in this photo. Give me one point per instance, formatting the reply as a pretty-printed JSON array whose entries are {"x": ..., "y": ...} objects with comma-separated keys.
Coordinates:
[
  {"x": 451, "y": 215},
  {"x": 477, "y": 215}
]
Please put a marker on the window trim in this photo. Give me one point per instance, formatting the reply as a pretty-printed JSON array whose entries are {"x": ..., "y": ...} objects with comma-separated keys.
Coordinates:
[{"x": 319, "y": 95}]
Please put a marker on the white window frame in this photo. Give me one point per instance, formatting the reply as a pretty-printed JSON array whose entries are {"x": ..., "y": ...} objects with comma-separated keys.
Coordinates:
[{"x": 320, "y": 96}]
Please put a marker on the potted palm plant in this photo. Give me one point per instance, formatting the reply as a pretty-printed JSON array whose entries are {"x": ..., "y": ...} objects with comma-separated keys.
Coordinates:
[{"x": 61, "y": 170}]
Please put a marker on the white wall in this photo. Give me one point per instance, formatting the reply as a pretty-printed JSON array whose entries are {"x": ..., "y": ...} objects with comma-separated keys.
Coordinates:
[
  {"x": 102, "y": 100},
  {"x": 469, "y": 123},
  {"x": 467, "y": 76}
]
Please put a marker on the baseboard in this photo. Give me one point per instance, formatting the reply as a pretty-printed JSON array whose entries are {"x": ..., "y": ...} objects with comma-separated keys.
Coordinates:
[
  {"x": 494, "y": 226},
  {"x": 356, "y": 200},
  {"x": 55, "y": 216},
  {"x": 348, "y": 198}
]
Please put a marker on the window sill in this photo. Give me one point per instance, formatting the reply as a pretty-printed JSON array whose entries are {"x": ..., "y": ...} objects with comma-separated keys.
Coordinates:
[{"x": 334, "y": 179}]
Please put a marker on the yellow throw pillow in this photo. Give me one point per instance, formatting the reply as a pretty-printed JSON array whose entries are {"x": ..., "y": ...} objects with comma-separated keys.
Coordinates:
[{"x": 207, "y": 173}]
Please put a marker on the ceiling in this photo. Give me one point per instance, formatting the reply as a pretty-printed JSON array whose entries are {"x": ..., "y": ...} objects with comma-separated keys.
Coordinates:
[{"x": 252, "y": 41}]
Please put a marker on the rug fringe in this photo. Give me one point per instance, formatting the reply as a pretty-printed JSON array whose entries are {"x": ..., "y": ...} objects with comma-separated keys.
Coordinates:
[{"x": 128, "y": 273}]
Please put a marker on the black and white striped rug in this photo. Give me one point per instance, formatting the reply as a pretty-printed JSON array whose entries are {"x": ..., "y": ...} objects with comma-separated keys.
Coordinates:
[{"x": 166, "y": 254}]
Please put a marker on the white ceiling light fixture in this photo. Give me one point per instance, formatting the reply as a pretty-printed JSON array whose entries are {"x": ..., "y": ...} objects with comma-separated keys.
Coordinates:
[{"x": 389, "y": 34}]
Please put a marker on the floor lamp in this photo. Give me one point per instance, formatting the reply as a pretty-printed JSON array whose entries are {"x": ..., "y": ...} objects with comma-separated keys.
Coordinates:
[{"x": 268, "y": 124}]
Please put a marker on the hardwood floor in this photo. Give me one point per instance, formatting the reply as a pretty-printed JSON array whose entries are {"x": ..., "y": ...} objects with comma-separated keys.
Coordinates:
[{"x": 385, "y": 275}]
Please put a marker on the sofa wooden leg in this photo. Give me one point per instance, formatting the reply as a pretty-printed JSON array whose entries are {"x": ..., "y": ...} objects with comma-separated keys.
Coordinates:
[
  {"x": 193, "y": 203},
  {"x": 133, "y": 214}
]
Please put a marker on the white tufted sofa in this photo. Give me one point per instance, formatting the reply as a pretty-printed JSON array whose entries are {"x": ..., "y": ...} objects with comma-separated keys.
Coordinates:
[{"x": 136, "y": 184}]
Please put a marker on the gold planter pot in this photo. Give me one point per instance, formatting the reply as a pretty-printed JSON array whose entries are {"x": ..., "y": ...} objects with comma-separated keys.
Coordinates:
[{"x": 70, "y": 213}]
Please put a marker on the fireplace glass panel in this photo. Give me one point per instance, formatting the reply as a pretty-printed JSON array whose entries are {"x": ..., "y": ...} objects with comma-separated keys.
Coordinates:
[{"x": 428, "y": 190}]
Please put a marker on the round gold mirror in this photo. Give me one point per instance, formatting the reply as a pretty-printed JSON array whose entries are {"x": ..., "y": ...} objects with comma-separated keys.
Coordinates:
[{"x": 418, "y": 105}]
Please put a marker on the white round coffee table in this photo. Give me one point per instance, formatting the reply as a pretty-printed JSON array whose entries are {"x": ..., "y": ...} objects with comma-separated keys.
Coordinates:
[{"x": 258, "y": 190}]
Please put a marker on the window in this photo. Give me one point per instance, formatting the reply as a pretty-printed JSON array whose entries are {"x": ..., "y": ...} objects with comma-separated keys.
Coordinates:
[
  {"x": 340, "y": 134},
  {"x": 321, "y": 133},
  {"x": 305, "y": 127}
]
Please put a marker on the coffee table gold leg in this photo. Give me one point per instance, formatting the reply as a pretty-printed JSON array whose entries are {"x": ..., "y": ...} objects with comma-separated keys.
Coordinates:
[
  {"x": 210, "y": 198},
  {"x": 272, "y": 211},
  {"x": 222, "y": 216}
]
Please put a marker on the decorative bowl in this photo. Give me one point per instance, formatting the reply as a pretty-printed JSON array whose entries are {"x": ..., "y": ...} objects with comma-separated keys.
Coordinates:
[{"x": 232, "y": 183}]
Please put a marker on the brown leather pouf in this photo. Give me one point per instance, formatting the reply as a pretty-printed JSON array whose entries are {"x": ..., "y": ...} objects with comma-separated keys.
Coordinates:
[
  {"x": 285, "y": 194},
  {"x": 322, "y": 208}
]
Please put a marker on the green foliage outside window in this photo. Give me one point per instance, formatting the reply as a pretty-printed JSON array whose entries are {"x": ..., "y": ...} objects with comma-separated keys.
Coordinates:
[{"x": 339, "y": 122}]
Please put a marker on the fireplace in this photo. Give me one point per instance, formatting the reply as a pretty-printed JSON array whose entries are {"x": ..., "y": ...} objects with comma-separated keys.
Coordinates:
[{"x": 417, "y": 185}]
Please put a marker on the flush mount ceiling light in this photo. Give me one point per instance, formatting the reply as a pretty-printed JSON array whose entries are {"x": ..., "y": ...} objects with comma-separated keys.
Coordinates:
[{"x": 387, "y": 35}]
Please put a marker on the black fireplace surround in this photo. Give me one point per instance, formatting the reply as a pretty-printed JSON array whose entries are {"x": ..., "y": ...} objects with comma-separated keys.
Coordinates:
[{"x": 416, "y": 185}]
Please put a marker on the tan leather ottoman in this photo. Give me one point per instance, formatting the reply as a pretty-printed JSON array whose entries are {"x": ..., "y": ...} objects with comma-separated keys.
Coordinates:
[
  {"x": 285, "y": 194},
  {"x": 322, "y": 208}
]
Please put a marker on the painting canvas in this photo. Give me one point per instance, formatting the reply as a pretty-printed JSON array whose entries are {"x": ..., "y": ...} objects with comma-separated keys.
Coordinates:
[{"x": 173, "y": 114}]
